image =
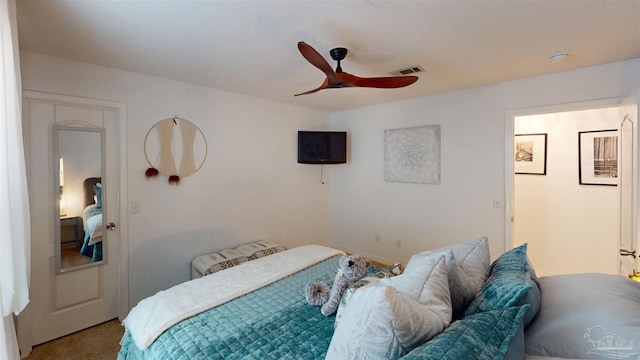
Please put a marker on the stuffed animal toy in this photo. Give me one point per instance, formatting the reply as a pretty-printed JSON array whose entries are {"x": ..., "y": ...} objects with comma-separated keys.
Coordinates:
[
  {"x": 351, "y": 269},
  {"x": 317, "y": 294}
]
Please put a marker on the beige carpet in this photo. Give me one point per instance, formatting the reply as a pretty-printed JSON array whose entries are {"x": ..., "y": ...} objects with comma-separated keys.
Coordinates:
[
  {"x": 73, "y": 257},
  {"x": 100, "y": 342}
]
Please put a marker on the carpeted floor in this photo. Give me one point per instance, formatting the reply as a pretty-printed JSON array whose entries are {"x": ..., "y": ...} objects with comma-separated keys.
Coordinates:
[
  {"x": 73, "y": 257},
  {"x": 100, "y": 342}
]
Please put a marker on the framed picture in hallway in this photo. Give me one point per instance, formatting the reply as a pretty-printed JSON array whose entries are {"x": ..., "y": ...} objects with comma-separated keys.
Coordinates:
[
  {"x": 530, "y": 154},
  {"x": 598, "y": 157}
]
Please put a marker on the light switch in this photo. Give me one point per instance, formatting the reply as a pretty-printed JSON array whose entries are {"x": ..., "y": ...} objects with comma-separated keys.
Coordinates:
[{"x": 135, "y": 207}]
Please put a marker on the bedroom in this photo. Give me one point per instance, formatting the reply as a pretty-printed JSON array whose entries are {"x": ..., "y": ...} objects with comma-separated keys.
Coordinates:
[{"x": 252, "y": 194}]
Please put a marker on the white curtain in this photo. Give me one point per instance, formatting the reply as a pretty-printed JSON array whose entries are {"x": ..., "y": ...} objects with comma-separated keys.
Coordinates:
[{"x": 14, "y": 203}]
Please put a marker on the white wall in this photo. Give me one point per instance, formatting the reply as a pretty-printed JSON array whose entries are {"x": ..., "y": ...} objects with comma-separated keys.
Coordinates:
[
  {"x": 558, "y": 217},
  {"x": 473, "y": 140},
  {"x": 250, "y": 187}
]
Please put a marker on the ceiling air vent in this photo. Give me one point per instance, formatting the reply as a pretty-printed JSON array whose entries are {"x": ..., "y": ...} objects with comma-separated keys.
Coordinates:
[{"x": 408, "y": 71}]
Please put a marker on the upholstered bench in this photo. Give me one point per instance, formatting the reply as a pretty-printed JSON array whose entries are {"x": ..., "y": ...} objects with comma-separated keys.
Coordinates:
[{"x": 208, "y": 264}]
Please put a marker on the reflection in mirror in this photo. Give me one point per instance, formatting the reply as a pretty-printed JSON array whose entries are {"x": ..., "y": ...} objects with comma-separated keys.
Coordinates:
[{"x": 78, "y": 158}]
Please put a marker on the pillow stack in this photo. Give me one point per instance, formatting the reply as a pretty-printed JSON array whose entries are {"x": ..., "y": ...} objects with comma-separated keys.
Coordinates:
[
  {"x": 98, "y": 198},
  {"x": 493, "y": 323},
  {"x": 406, "y": 315},
  {"x": 389, "y": 317}
]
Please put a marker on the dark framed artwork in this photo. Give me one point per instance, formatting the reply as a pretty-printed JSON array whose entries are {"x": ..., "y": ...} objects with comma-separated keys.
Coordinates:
[
  {"x": 530, "y": 154},
  {"x": 598, "y": 157}
]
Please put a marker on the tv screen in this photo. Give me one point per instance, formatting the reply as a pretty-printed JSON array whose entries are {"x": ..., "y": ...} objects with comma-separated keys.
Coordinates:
[{"x": 322, "y": 147}]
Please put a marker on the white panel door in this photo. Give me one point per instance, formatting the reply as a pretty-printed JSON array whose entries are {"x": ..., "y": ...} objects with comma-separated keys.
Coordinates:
[
  {"x": 629, "y": 167},
  {"x": 69, "y": 301}
]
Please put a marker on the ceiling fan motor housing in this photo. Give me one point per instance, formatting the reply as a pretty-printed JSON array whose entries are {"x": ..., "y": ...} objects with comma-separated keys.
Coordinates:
[{"x": 338, "y": 54}]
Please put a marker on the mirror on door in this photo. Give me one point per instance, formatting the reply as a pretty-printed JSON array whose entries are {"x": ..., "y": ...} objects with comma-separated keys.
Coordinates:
[{"x": 79, "y": 189}]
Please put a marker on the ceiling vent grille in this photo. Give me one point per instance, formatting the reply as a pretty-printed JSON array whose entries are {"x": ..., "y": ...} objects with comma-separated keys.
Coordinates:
[{"x": 408, "y": 71}]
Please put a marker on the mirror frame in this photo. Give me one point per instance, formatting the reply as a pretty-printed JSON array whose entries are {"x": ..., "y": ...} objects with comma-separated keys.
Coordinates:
[{"x": 56, "y": 182}]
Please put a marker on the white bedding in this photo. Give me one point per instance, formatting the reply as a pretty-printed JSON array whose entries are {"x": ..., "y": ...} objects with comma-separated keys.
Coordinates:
[
  {"x": 155, "y": 314},
  {"x": 92, "y": 224}
]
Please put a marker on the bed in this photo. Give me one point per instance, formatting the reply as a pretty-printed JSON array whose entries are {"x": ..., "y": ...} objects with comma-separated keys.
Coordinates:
[
  {"x": 92, "y": 219},
  {"x": 448, "y": 303}
]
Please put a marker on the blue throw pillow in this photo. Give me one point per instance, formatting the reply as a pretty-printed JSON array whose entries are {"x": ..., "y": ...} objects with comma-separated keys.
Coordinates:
[
  {"x": 533, "y": 297},
  {"x": 495, "y": 334},
  {"x": 98, "y": 190},
  {"x": 509, "y": 284}
]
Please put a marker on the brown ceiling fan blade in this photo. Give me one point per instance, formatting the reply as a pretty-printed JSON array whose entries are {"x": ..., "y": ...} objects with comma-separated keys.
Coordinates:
[
  {"x": 316, "y": 59},
  {"x": 340, "y": 79},
  {"x": 389, "y": 82},
  {"x": 323, "y": 86},
  {"x": 310, "y": 91}
]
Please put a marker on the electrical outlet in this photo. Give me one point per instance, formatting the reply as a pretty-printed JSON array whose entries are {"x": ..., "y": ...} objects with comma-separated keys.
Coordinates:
[
  {"x": 398, "y": 243},
  {"x": 498, "y": 203},
  {"x": 377, "y": 239},
  {"x": 135, "y": 207}
]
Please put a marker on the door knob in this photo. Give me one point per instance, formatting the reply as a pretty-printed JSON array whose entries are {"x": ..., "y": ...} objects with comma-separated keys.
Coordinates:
[
  {"x": 624, "y": 252},
  {"x": 111, "y": 226}
]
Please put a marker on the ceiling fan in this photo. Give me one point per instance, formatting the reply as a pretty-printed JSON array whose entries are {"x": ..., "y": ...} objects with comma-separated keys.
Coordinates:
[{"x": 339, "y": 79}]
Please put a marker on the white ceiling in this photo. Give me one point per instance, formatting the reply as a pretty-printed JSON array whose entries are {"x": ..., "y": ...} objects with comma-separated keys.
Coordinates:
[{"x": 249, "y": 47}]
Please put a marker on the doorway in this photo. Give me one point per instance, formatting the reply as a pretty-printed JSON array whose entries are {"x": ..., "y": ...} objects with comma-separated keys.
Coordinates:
[
  {"x": 68, "y": 298},
  {"x": 570, "y": 227}
]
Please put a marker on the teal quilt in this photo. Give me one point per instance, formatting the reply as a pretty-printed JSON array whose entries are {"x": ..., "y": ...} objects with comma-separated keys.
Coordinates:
[{"x": 274, "y": 322}]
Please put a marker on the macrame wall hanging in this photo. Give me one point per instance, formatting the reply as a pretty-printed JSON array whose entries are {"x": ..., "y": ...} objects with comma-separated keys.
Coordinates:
[{"x": 174, "y": 147}]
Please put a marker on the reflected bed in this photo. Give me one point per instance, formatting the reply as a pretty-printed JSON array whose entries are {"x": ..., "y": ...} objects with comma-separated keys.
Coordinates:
[{"x": 92, "y": 219}]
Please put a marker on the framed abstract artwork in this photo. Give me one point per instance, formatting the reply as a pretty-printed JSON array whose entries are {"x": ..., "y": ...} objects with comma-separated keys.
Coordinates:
[
  {"x": 530, "y": 154},
  {"x": 412, "y": 155}
]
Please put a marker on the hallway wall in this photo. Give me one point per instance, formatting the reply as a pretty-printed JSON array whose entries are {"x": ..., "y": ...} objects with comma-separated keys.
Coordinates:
[{"x": 569, "y": 227}]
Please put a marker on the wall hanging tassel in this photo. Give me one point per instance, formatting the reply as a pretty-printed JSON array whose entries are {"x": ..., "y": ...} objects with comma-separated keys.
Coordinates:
[
  {"x": 174, "y": 180},
  {"x": 151, "y": 173}
]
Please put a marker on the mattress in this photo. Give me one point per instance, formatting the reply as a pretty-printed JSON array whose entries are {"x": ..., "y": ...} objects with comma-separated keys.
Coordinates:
[{"x": 273, "y": 322}]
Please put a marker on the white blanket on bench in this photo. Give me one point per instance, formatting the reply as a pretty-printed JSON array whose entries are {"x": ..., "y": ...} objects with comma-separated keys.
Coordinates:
[{"x": 155, "y": 314}]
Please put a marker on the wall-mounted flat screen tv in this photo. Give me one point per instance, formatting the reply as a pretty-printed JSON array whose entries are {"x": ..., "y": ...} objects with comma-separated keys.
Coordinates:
[{"x": 322, "y": 147}]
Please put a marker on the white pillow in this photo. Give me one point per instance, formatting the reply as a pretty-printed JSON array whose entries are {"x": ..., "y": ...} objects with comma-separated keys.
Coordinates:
[
  {"x": 474, "y": 260},
  {"x": 348, "y": 293},
  {"x": 422, "y": 283},
  {"x": 381, "y": 322},
  {"x": 468, "y": 267}
]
